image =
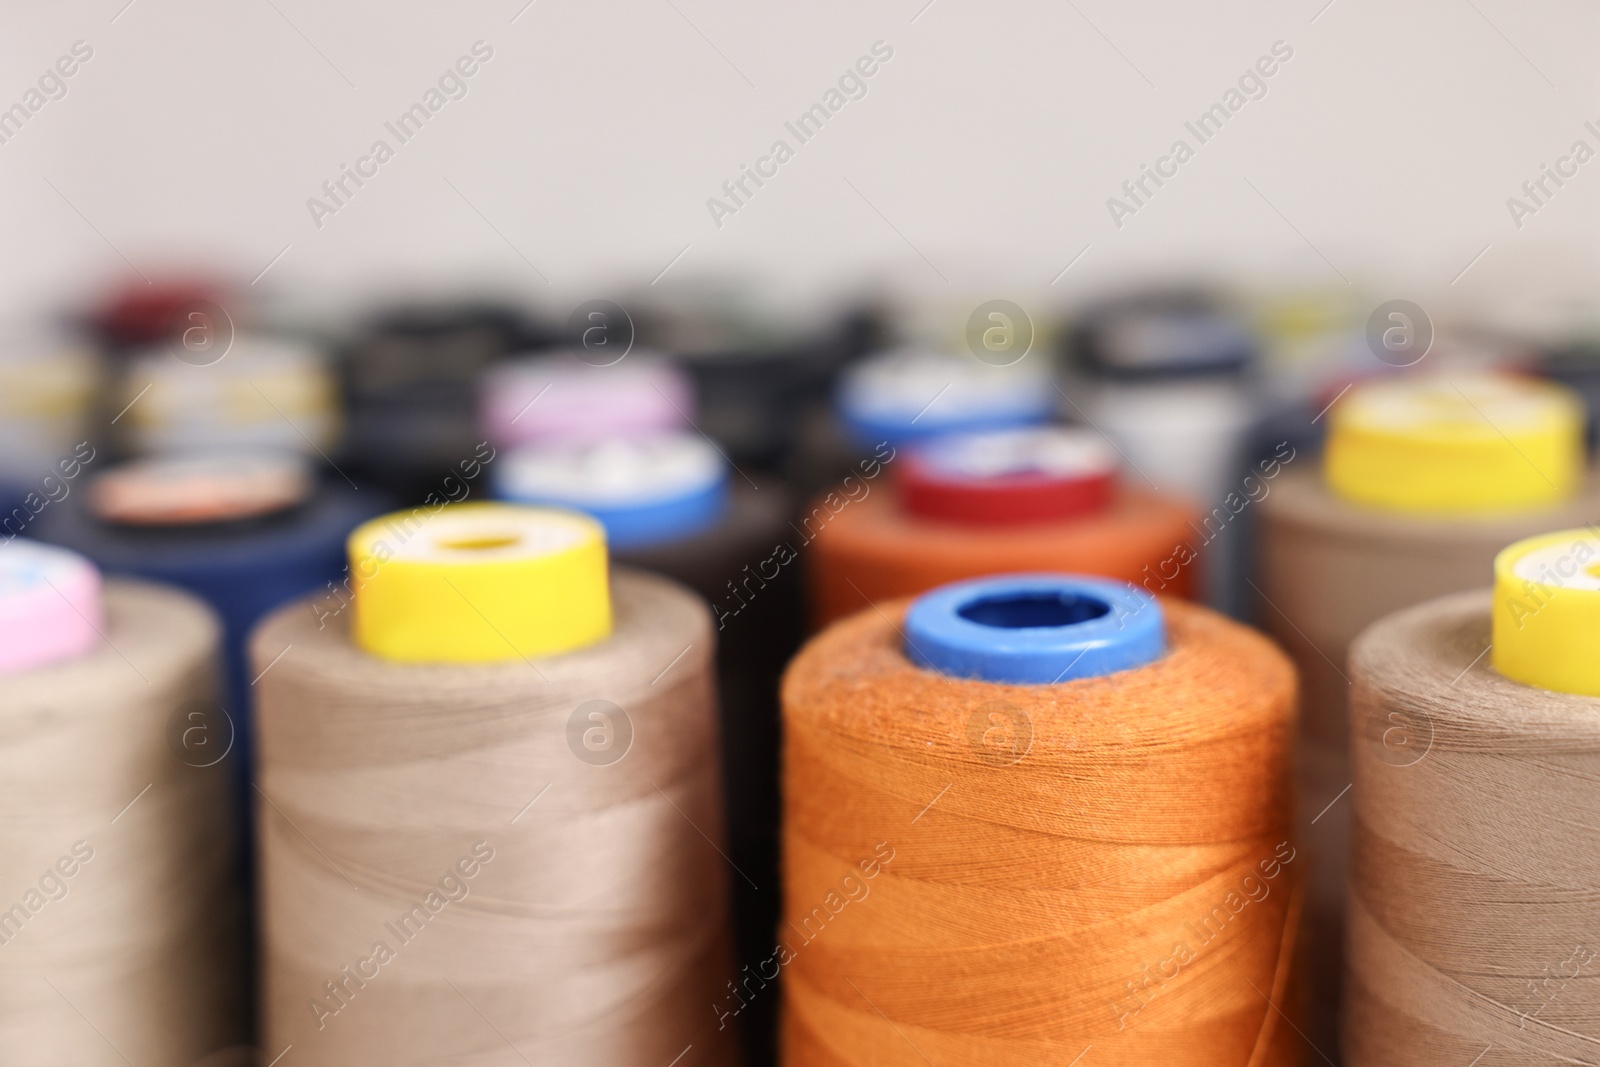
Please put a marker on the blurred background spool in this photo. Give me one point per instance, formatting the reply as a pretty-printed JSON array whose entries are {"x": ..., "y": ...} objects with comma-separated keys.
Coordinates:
[
  {"x": 564, "y": 397},
  {"x": 244, "y": 391},
  {"x": 1575, "y": 363},
  {"x": 505, "y": 775},
  {"x": 245, "y": 531},
  {"x": 1168, "y": 375},
  {"x": 669, "y": 504},
  {"x": 1312, "y": 347},
  {"x": 1052, "y": 815},
  {"x": 139, "y": 315},
  {"x": 762, "y": 375},
  {"x": 410, "y": 379},
  {"x": 1474, "y": 869},
  {"x": 48, "y": 385},
  {"x": 911, "y": 392},
  {"x": 119, "y": 930},
  {"x": 985, "y": 503},
  {"x": 1423, "y": 481}
]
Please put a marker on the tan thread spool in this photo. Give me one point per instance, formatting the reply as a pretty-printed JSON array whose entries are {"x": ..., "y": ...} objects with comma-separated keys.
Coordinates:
[
  {"x": 596, "y": 932},
  {"x": 1475, "y": 866},
  {"x": 139, "y": 961},
  {"x": 1328, "y": 570}
]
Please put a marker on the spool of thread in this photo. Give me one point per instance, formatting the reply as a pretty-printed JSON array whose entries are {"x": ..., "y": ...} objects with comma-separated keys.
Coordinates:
[
  {"x": 244, "y": 531},
  {"x": 1160, "y": 335},
  {"x": 763, "y": 376},
  {"x": 1473, "y": 870},
  {"x": 1166, "y": 375},
  {"x": 491, "y": 817},
  {"x": 563, "y": 398},
  {"x": 988, "y": 854},
  {"x": 146, "y": 313},
  {"x": 119, "y": 930},
  {"x": 975, "y": 504},
  {"x": 668, "y": 505},
  {"x": 260, "y": 392},
  {"x": 47, "y": 385},
  {"x": 644, "y": 492},
  {"x": 404, "y": 352},
  {"x": 411, "y": 385},
  {"x": 1576, "y": 364},
  {"x": 911, "y": 394},
  {"x": 1344, "y": 547}
]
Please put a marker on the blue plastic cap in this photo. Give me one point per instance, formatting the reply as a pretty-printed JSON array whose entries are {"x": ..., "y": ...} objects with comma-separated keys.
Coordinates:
[
  {"x": 654, "y": 522},
  {"x": 866, "y": 429},
  {"x": 647, "y": 522},
  {"x": 1035, "y": 629},
  {"x": 645, "y": 492},
  {"x": 912, "y": 394}
]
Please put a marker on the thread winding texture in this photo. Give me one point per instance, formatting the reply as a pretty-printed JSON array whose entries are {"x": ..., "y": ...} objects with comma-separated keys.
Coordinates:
[
  {"x": 1104, "y": 861},
  {"x": 120, "y": 929},
  {"x": 459, "y": 866},
  {"x": 871, "y": 550},
  {"x": 1474, "y": 871},
  {"x": 1328, "y": 570}
]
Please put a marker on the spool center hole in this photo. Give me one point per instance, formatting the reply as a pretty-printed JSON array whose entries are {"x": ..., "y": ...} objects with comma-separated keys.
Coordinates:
[
  {"x": 1027, "y": 610},
  {"x": 480, "y": 543}
]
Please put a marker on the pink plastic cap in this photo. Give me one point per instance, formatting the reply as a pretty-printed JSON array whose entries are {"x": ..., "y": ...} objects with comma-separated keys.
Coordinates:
[
  {"x": 561, "y": 398},
  {"x": 50, "y": 605}
]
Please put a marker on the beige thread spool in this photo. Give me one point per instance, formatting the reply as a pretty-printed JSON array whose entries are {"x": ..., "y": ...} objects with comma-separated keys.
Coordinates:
[
  {"x": 555, "y": 817},
  {"x": 120, "y": 927},
  {"x": 1330, "y": 566},
  {"x": 1474, "y": 868}
]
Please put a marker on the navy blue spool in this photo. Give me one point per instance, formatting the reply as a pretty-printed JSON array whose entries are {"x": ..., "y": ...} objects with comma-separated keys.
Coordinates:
[{"x": 1034, "y": 629}]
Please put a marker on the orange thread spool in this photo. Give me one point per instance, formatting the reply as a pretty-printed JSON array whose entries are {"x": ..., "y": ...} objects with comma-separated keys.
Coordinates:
[
  {"x": 1056, "y": 856},
  {"x": 874, "y": 548}
]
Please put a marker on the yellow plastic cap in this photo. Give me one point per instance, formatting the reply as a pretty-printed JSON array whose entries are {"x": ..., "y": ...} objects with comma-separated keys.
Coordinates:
[
  {"x": 479, "y": 583},
  {"x": 1547, "y": 611},
  {"x": 1460, "y": 445}
]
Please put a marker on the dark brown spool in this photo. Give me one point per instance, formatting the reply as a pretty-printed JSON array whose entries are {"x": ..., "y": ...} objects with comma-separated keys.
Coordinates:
[{"x": 758, "y": 625}]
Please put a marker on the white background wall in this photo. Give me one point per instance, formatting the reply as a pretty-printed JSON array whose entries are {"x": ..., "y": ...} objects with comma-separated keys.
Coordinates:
[{"x": 1386, "y": 148}]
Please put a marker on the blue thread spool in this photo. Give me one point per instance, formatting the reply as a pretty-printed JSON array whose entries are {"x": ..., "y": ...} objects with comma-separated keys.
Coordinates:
[{"x": 1034, "y": 629}]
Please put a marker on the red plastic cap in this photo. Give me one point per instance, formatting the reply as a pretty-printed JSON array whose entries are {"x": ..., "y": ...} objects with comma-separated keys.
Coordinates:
[
  {"x": 1009, "y": 477},
  {"x": 148, "y": 313}
]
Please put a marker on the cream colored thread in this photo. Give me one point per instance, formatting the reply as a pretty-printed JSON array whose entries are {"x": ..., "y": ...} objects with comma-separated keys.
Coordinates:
[
  {"x": 138, "y": 960},
  {"x": 1475, "y": 871},
  {"x": 597, "y": 932}
]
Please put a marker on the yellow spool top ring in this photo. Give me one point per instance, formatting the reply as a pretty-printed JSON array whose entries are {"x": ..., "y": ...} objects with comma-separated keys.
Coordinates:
[
  {"x": 479, "y": 583},
  {"x": 1547, "y": 611},
  {"x": 1471, "y": 444}
]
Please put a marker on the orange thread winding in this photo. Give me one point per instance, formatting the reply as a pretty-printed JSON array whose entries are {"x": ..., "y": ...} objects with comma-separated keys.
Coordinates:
[{"x": 1102, "y": 862}]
